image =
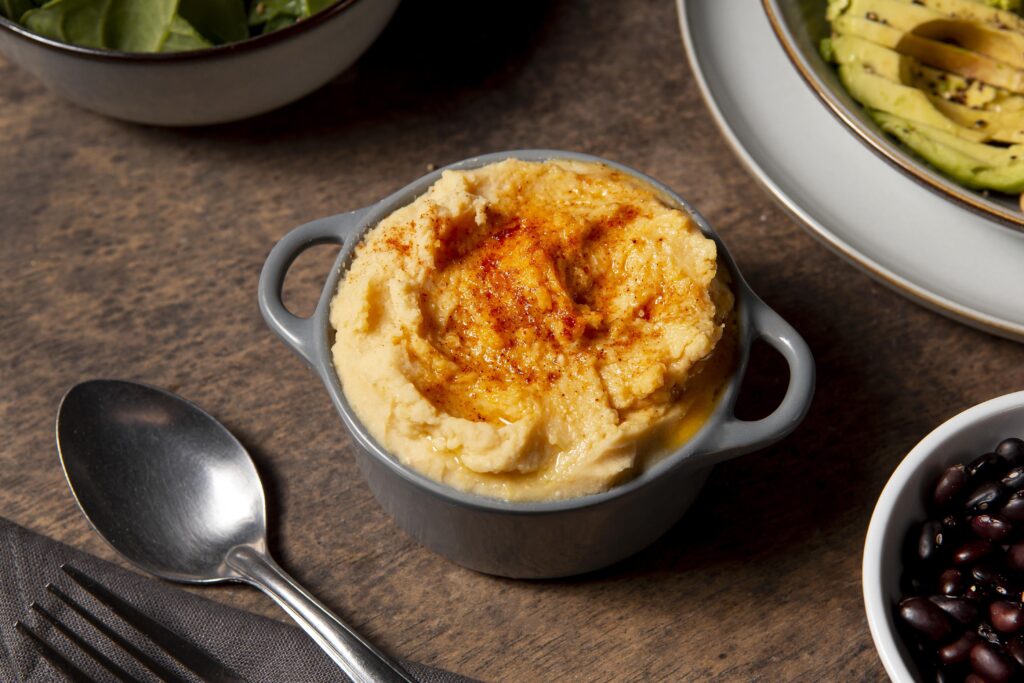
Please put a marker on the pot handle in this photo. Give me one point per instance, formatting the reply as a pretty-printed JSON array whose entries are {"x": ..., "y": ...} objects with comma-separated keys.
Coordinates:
[
  {"x": 299, "y": 333},
  {"x": 735, "y": 436}
]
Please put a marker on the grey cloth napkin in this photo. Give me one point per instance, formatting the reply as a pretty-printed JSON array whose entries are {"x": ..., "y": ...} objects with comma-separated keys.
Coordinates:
[{"x": 258, "y": 648}]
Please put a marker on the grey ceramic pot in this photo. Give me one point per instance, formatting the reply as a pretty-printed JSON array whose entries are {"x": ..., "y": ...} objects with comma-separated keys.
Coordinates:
[{"x": 537, "y": 539}]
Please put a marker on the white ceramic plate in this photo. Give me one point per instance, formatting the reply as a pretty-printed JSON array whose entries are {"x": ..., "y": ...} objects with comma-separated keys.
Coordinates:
[{"x": 939, "y": 254}]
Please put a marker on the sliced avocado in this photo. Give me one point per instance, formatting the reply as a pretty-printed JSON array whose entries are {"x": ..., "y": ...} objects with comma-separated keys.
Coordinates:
[
  {"x": 933, "y": 53},
  {"x": 835, "y": 8},
  {"x": 955, "y": 88},
  {"x": 880, "y": 60},
  {"x": 875, "y": 92},
  {"x": 971, "y": 10},
  {"x": 1003, "y": 45},
  {"x": 1012, "y": 5},
  {"x": 886, "y": 36},
  {"x": 898, "y": 68},
  {"x": 998, "y": 126},
  {"x": 972, "y": 165},
  {"x": 992, "y": 155}
]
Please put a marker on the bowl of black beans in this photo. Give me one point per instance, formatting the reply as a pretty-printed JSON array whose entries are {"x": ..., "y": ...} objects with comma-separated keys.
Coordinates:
[{"x": 943, "y": 571}]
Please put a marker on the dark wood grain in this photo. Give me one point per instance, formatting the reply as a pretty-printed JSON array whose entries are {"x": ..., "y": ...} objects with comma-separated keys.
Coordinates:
[{"x": 134, "y": 252}]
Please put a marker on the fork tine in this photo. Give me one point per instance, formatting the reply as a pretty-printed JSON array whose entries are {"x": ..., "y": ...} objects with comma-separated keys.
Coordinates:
[
  {"x": 189, "y": 654},
  {"x": 101, "y": 658},
  {"x": 56, "y": 659},
  {"x": 156, "y": 667}
]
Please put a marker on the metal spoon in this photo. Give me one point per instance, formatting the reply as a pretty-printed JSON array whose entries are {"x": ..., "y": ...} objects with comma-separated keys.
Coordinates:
[{"x": 176, "y": 494}]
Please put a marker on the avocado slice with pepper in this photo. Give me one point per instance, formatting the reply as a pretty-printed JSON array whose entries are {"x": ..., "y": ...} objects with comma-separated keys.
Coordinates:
[
  {"x": 996, "y": 125},
  {"x": 972, "y": 10},
  {"x": 899, "y": 68},
  {"x": 1012, "y": 5},
  {"x": 942, "y": 56},
  {"x": 878, "y": 93},
  {"x": 985, "y": 39},
  {"x": 974, "y": 165},
  {"x": 891, "y": 65}
]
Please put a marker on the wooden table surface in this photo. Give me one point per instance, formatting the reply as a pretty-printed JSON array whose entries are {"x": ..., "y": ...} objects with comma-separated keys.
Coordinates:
[{"x": 134, "y": 252}]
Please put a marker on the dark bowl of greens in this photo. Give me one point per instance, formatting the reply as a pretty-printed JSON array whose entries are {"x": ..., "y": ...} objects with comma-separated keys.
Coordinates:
[{"x": 187, "y": 62}]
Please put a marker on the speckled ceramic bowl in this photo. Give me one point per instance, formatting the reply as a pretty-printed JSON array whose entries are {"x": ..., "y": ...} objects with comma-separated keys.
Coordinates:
[
  {"x": 216, "y": 85},
  {"x": 537, "y": 539}
]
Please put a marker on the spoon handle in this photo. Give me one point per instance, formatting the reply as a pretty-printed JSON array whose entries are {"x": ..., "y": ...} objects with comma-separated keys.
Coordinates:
[{"x": 357, "y": 658}]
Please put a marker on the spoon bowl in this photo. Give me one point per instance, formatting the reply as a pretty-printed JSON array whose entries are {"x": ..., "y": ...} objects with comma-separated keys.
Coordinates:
[
  {"x": 170, "y": 489},
  {"x": 160, "y": 479}
]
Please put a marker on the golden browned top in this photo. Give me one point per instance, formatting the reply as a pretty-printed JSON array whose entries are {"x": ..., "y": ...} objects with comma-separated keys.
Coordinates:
[{"x": 561, "y": 297}]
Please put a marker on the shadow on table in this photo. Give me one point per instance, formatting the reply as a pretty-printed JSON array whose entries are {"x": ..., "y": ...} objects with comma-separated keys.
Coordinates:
[{"x": 432, "y": 57}]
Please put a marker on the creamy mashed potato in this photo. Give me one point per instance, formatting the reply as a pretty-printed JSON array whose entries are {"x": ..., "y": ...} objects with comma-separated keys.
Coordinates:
[{"x": 533, "y": 331}]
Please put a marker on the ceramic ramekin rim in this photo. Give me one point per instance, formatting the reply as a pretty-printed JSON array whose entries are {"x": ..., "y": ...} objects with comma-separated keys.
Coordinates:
[
  {"x": 747, "y": 303},
  {"x": 217, "y": 51},
  {"x": 876, "y": 605}
]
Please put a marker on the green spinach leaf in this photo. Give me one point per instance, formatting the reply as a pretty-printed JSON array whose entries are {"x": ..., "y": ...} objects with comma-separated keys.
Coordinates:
[
  {"x": 275, "y": 14},
  {"x": 139, "y": 26},
  {"x": 81, "y": 22},
  {"x": 14, "y": 9},
  {"x": 156, "y": 25},
  {"x": 127, "y": 25},
  {"x": 219, "y": 21},
  {"x": 183, "y": 36}
]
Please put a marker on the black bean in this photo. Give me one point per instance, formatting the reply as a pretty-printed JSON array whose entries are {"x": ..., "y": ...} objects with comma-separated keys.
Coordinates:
[
  {"x": 978, "y": 591},
  {"x": 990, "y": 665},
  {"x": 1013, "y": 510},
  {"x": 1012, "y": 449},
  {"x": 971, "y": 552},
  {"x": 988, "y": 466},
  {"x": 1015, "y": 648},
  {"x": 987, "y": 496},
  {"x": 955, "y": 528},
  {"x": 1006, "y": 616},
  {"x": 958, "y": 651},
  {"x": 992, "y": 527},
  {"x": 1015, "y": 556},
  {"x": 983, "y": 573},
  {"x": 911, "y": 585},
  {"x": 925, "y": 616},
  {"x": 1014, "y": 479},
  {"x": 951, "y": 582},
  {"x": 961, "y": 609},
  {"x": 974, "y": 678},
  {"x": 930, "y": 540},
  {"x": 951, "y": 484}
]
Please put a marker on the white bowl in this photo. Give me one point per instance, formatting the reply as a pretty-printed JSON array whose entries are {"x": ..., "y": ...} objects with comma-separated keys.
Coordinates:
[
  {"x": 200, "y": 87},
  {"x": 902, "y": 504}
]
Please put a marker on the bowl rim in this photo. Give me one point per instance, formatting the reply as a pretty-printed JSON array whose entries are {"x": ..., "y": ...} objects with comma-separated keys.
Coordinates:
[
  {"x": 670, "y": 462},
  {"x": 214, "y": 52},
  {"x": 876, "y": 605},
  {"x": 895, "y": 155}
]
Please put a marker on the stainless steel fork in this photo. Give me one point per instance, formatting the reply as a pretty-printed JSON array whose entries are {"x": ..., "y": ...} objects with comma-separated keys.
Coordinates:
[{"x": 190, "y": 656}]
